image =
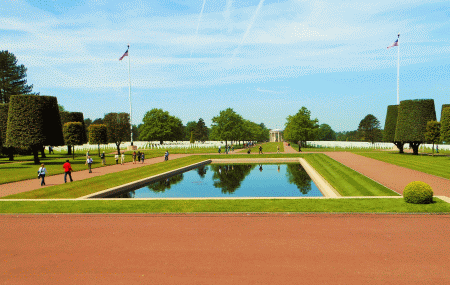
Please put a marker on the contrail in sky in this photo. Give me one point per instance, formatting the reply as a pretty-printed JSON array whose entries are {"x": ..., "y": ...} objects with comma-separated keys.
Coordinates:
[
  {"x": 199, "y": 18},
  {"x": 248, "y": 28}
]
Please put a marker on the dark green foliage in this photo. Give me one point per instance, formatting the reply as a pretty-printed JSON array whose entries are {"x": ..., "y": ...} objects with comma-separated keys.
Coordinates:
[
  {"x": 348, "y": 136},
  {"x": 12, "y": 77},
  {"x": 160, "y": 125},
  {"x": 98, "y": 135},
  {"x": 412, "y": 119},
  {"x": 229, "y": 177},
  {"x": 443, "y": 107},
  {"x": 191, "y": 140},
  {"x": 25, "y": 126},
  {"x": 136, "y": 132},
  {"x": 118, "y": 128},
  {"x": 67, "y": 117},
  {"x": 297, "y": 175},
  {"x": 418, "y": 192},
  {"x": 3, "y": 122},
  {"x": 188, "y": 129},
  {"x": 300, "y": 127},
  {"x": 228, "y": 126},
  {"x": 445, "y": 125},
  {"x": 73, "y": 134},
  {"x": 201, "y": 130},
  {"x": 369, "y": 128},
  {"x": 390, "y": 123},
  {"x": 52, "y": 122},
  {"x": 326, "y": 133}
]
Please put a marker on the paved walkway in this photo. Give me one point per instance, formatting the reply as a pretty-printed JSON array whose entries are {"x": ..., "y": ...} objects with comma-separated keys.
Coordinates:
[
  {"x": 29, "y": 185},
  {"x": 225, "y": 249},
  {"x": 390, "y": 175}
]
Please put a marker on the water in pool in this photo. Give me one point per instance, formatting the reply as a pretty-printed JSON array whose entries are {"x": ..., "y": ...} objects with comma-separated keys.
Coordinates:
[{"x": 232, "y": 180}]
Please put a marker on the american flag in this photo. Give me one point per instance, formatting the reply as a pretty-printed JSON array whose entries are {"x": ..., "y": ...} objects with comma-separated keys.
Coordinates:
[
  {"x": 125, "y": 54},
  {"x": 395, "y": 44}
]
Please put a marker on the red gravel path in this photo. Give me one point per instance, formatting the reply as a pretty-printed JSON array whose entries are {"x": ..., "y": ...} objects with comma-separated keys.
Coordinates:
[
  {"x": 225, "y": 249},
  {"x": 392, "y": 176}
]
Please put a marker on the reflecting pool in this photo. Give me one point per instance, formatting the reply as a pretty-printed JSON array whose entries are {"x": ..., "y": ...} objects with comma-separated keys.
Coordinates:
[{"x": 232, "y": 180}]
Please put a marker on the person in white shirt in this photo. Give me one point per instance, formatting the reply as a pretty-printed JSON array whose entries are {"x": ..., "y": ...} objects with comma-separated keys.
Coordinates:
[
  {"x": 89, "y": 163},
  {"x": 116, "y": 157},
  {"x": 122, "y": 158},
  {"x": 41, "y": 174}
]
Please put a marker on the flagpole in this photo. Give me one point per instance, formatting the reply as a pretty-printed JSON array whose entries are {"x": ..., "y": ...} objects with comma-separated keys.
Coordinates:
[
  {"x": 129, "y": 95},
  {"x": 398, "y": 69}
]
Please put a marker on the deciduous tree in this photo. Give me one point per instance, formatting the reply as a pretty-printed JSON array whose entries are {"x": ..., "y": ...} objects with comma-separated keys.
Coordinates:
[
  {"x": 118, "y": 128},
  {"x": 300, "y": 127},
  {"x": 73, "y": 134},
  {"x": 369, "y": 128},
  {"x": 433, "y": 133},
  {"x": 98, "y": 135},
  {"x": 160, "y": 125}
]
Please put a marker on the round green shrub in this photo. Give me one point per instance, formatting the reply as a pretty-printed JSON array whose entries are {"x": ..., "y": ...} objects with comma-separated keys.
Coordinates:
[{"x": 418, "y": 192}]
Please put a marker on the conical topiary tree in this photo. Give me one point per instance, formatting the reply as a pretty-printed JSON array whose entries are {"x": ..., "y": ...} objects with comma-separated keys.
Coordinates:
[
  {"x": 443, "y": 107},
  {"x": 390, "y": 125},
  {"x": 412, "y": 119},
  {"x": 445, "y": 125},
  {"x": 3, "y": 122}
]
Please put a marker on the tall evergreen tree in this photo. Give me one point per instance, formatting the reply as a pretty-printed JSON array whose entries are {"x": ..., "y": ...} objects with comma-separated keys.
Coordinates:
[
  {"x": 369, "y": 128},
  {"x": 12, "y": 77}
]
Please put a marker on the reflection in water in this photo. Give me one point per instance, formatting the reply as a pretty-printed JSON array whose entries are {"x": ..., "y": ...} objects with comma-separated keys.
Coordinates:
[
  {"x": 278, "y": 168},
  {"x": 229, "y": 177},
  {"x": 298, "y": 176},
  {"x": 201, "y": 171},
  {"x": 130, "y": 194},
  {"x": 260, "y": 168},
  {"x": 163, "y": 185}
]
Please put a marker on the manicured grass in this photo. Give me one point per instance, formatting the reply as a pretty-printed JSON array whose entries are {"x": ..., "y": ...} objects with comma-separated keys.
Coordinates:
[
  {"x": 87, "y": 186},
  {"x": 437, "y": 165},
  {"x": 26, "y": 169},
  {"x": 268, "y": 147},
  {"x": 363, "y": 205},
  {"x": 345, "y": 180}
]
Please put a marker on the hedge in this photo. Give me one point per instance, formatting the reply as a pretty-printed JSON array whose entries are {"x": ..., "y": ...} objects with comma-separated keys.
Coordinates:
[
  {"x": 445, "y": 125},
  {"x": 390, "y": 123},
  {"x": 3, "y": 121},
  {"x": 412, "y": 119},
  {"x": 443, "y": 107},
  {"x": 52, "y": 121},
  {"x": 67, "y": 117}
]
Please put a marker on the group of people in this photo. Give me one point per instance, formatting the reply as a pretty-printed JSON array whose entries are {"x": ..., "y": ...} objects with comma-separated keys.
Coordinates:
[
  {"x": 42, "y": 171},
  {"x": 227, "y": 148}
]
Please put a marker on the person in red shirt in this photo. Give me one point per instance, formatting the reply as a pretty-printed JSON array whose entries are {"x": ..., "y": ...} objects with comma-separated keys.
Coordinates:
[{"x": 67, "y": 171}]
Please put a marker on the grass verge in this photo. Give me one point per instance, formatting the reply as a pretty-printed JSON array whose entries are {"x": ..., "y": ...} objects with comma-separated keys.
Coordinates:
[
  {"x": 362, "y": 205},
  {"x": 345, "y": 180},
  {"x": 435, "y": 165},
  {"x": 87, "y": 186}
]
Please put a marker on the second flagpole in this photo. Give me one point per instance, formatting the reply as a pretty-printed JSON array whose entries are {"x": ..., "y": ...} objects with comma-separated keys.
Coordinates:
[
  {"x": 129, "y": 94},
  {"x": 398, "y": 69}
]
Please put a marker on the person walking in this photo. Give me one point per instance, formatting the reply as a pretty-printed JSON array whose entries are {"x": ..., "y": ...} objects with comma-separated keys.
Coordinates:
[
  {"x": 116, "y": 157},
  {"x": 142, "y": 157},
  {"x": 89, "y": 163},
  {"x": 139, "y": 156},
  {"x": 278, "y": 149},
  {"x": 67, "y": 171},
  {"x": 219, "y": 149},
  {"x": 134, "y": 157},
  {"x": 122, "y": 158},
  {"x": 260, "y": 150},
  {"x": 103, "y": 157},
  {"x": 41, "y": 174},
  {"x": 87, "y": 154},
  {"x": 166, "y": 156}
]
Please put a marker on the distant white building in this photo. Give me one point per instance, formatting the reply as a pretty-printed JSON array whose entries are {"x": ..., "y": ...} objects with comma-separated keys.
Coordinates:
[{"x": 276, "y": 135}]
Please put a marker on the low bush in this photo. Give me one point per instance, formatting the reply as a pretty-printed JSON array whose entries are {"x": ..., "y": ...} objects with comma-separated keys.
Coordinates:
[{"x": 418, "y": 192}]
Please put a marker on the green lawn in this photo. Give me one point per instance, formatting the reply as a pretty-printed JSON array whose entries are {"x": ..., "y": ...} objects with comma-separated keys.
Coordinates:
[
  {"x": 88, "y": 186},
  {"x": 268, "y": 147},
  {"x": 363, "y": 205},
  {"x": 437, "y": 165},
  {"x": 344, "y": 179}
]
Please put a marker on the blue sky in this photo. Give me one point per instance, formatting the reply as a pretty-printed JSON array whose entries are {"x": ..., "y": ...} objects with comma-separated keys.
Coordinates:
[{"x": 265, "y": 59}]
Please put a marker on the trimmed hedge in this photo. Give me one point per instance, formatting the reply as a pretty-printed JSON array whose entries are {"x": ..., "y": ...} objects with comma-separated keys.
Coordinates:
[
  {"x": 25, "y": 127},
  {"x": 443, "y": 107},
  {"x": 52, "y": 122},
  {"x": 445, "y": 125},
  {"x": 73, "y": 133},
  {"x": 418, "y": 192},
  {"x": 3, "y": 121},
  {"x": 98, "y": 134},
  {"x": 412, "y": 119},
  {"x": 390, "y": 123},
  {"x": 67, "y": 117}
]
